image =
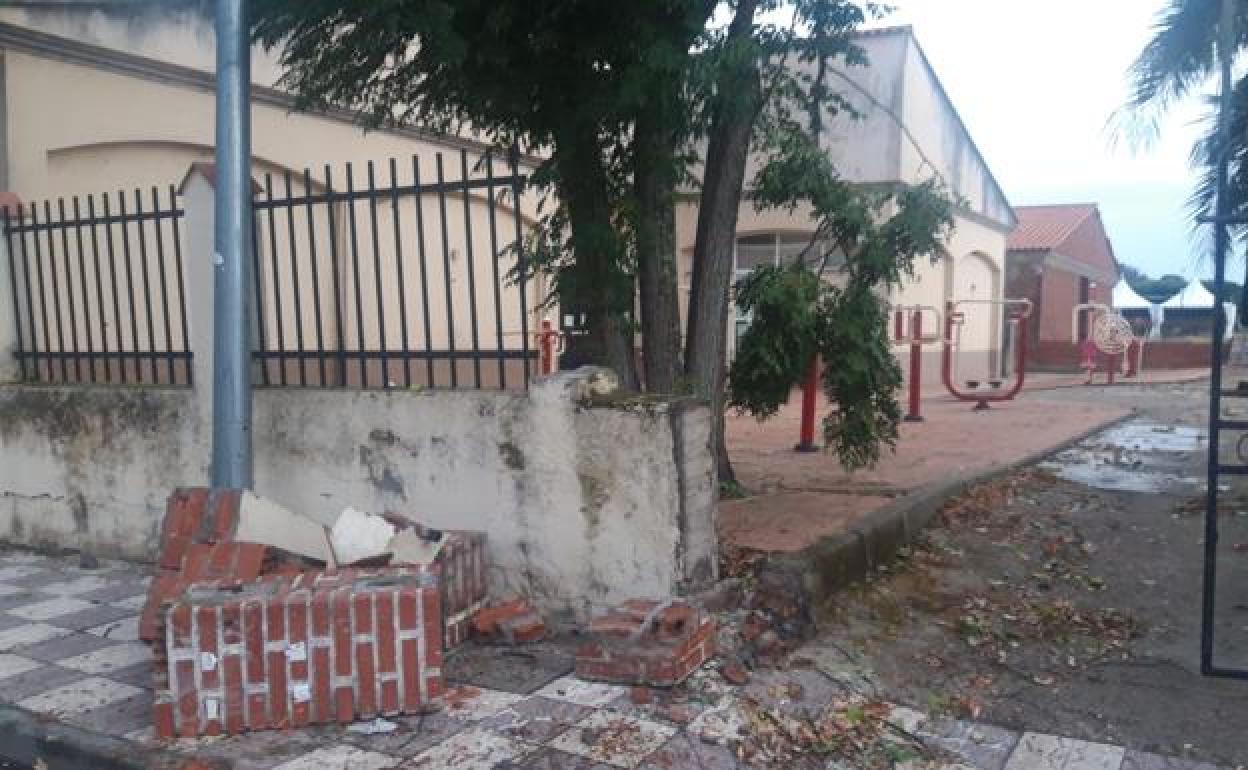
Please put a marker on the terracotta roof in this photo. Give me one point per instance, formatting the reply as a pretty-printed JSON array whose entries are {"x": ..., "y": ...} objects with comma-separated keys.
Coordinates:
[{"x": 1047, "y": 227}]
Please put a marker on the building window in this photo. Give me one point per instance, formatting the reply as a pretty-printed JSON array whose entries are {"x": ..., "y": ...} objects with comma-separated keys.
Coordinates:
[{"x": 771, "y": 249}]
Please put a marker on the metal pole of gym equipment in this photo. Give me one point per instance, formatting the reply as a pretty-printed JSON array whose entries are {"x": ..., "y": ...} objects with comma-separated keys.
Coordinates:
[{"x": 231, "y": 380}]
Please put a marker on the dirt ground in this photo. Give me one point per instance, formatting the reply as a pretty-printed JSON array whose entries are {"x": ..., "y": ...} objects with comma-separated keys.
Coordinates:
[{"x": 1066, "y": 598}]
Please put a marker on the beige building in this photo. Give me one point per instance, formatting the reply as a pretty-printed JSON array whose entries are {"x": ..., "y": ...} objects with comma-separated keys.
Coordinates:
[
  {"x": 909, "y": 131},
  {"x": 91, "y": 103}
]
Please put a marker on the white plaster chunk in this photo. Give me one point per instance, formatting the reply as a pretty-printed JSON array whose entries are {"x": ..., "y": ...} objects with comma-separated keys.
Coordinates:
[
  {"x": 261, "y": 520},
  {"x": 408, "y": 547},
  {"x": 358, "y": 535}
]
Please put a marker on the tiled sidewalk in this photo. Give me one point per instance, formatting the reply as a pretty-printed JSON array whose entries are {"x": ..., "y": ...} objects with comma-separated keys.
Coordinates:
[{"x": 69, "y": 650}]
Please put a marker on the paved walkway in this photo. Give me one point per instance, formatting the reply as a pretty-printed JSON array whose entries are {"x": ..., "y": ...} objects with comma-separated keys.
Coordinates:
[
  {"x": 68, "y": 650},
  {"x": 801, "y": 497}
]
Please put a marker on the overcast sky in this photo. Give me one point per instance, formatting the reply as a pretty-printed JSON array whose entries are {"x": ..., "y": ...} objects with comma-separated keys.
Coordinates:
[{"x": 1035, "y": 83}]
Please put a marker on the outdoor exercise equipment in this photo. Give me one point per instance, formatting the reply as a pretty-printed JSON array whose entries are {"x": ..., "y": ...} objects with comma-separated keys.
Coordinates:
[
  {"x": 1111, "y": 336},
  {"x": 908, "y": 328},
  {"x": 1017, "y": 313},
  {"x": 810, "y": 394}
]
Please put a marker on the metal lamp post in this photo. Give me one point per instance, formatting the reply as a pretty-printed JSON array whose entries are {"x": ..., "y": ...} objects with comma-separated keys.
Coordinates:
[{"x": 231, "y": 382}]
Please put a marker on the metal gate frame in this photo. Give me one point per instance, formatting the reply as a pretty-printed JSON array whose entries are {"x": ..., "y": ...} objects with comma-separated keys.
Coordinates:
[{"x": 1221, "y": 220}]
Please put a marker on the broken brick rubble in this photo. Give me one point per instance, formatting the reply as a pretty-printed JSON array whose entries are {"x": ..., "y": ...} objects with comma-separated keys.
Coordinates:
[
  {"x": 643, "y": 642},
  {"x": 514, "y": 622}
]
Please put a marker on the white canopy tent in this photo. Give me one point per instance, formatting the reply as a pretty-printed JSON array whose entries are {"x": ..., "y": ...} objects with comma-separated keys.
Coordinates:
[
  {"x": 1196, "y": 297},
  {"x": 1126, "y": 298}
]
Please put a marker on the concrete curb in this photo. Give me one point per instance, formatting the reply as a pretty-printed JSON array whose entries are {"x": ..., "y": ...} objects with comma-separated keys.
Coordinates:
[
  {"x": 839, "y": 560},
  {"x": 26, "y": 737}
]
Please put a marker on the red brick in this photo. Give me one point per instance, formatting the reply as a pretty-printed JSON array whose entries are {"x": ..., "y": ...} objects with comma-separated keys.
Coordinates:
[
  {"x": 279, "y": 714},
  {"x": 253, "y": 632},
  {"x": 162, "y": 720},
  {"x": 225, "y": 513},
  {"x": 411, "y": 675},
  {"x": 387, "y": 650},
  {"x": 523, "y": 629},
  {"x": 391, "y": 703},
  {"x": 680, "y": 641},
  {"x": 232, "y": 669},
  {"x": 344, "y": 702},
  {"x": 342, "y": 632},
  {"x": 487, "y": 619},
  {"x": 210, "y": 676},
  {"x": 297, "y": 639}
]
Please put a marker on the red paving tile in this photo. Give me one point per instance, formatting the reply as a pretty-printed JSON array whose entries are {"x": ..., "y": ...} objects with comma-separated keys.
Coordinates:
[{"x": 802, "y": 497}]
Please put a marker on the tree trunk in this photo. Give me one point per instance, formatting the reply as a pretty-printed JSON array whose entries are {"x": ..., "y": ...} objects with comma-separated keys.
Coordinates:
[
  {"x": 654, "y": 180},
  {"x": 738, "y": 101},
  {"x": 597, "y": 284}
]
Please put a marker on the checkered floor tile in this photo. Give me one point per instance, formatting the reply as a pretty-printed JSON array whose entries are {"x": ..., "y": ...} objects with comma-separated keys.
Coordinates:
[{"x": 69, "y": 650}]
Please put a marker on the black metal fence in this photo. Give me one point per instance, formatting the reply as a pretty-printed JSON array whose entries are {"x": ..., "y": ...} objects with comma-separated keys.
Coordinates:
[
  {"x": 398, "y": 277},
  {"x": 97, "y": 289}
]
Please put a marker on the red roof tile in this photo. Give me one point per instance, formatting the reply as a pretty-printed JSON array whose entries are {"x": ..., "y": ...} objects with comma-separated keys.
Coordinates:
[{"x": 1047, "y": 227}]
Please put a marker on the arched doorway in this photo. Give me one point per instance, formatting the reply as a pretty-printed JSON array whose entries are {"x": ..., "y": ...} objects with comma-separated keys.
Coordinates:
[{"x": 976, "y": 279}]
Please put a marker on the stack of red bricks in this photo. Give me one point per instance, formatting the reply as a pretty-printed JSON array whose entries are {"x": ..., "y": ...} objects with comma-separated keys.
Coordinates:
[
  {"x": 244, "y": 642},
  {"x": 295, "y": 650},
  {"x": 196, "y": 544},
  {"x": 644, "y": 642},
  {"x": 465, "y": 583}
]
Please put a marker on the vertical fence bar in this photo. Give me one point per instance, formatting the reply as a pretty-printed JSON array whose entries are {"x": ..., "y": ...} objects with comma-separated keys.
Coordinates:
[
  {"x": 355, "y": 277},
  {"x": 522, "y": 267},
  {"x": 116, "y": 293},
  {"x": 294, "y": 279},
  {"x": 69, "y": 287},
  {"x": 147, "y": 286},
  {"x": 258, "y": 289},
  {"x": 56, "y": 290},
  {"x": 424, "y": 272},
  {"x": 339, "y": 298},
  {"x": 30, "y": 303},
  {"x": 134, "y": 318},
  {"x": 398, "y": 265},
  {"x": 446, "y": 275},
  {"x": 164, "y": 281},
  {"x": 381, "y": 302},
  {"x": 86, "y": 292},
  {"x": 275, "y": 279},
  {"x": 112, "y": 272},
  {"x": 43, "y": 293},
  {"x": 177, "y": 258},
  {"x": 316, "y": 272},
  {"x": 498, "y": 299},
  {"x": 472, "y": 269},
  {"x": 17, "y": 303}
]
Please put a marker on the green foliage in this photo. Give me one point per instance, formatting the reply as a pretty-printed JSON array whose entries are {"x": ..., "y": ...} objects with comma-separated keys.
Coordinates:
[
  {"x": 829, "y": 300},
  {"x": 784, "y": 303},
  {"x": 860, "y": 375}
]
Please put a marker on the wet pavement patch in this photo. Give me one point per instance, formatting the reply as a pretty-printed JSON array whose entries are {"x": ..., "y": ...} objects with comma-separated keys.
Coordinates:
[{"x": 1136, "y": 456}]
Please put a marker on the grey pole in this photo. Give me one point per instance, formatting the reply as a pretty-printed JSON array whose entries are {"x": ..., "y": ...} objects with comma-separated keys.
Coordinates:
[
  {"x": 1222, "y": 242},
  {"x": 231, "y": 381}
]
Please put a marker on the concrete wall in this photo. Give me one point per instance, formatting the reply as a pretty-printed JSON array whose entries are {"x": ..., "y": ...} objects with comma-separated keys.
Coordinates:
[{"x": 585, "y": 501}]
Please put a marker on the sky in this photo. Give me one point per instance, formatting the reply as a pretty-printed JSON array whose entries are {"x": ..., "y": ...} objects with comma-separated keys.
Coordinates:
[{"x": 1036, "y": 83}]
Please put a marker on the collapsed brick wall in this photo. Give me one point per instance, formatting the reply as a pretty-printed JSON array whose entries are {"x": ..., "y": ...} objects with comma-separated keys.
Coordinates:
[{"x": 296, "y": 650}]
